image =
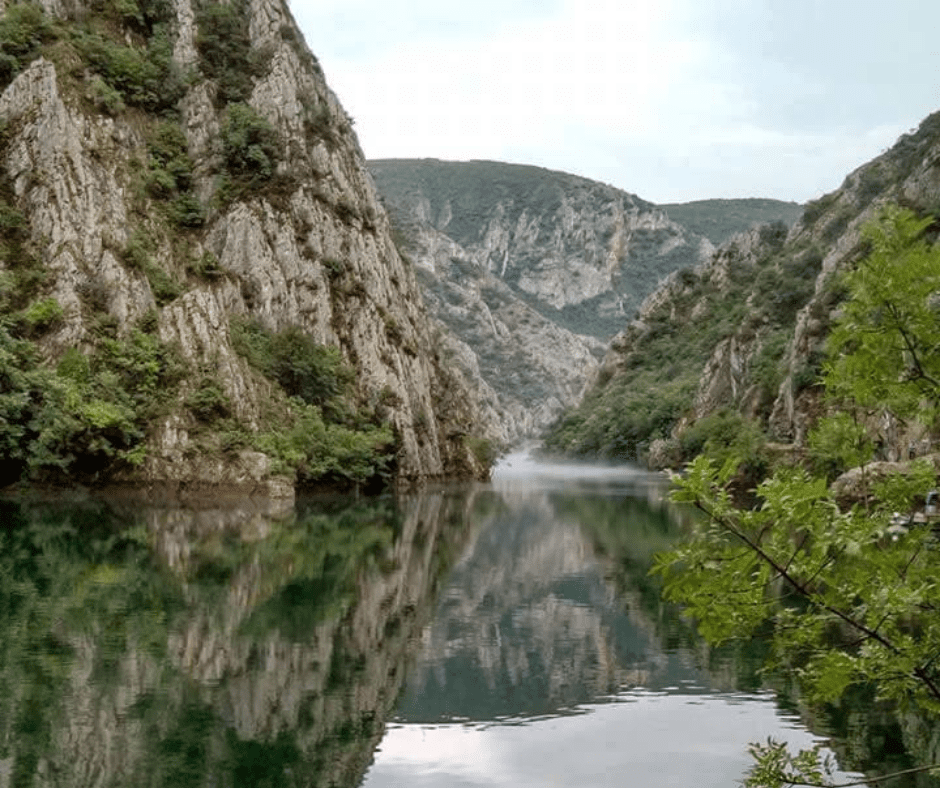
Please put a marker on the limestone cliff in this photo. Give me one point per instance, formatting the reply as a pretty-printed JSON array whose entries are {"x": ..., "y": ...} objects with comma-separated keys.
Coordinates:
[
  {"x": 533, "y": 270},
  {"x": 829, "y": 235},
  {"x": 173, "y": 184}
]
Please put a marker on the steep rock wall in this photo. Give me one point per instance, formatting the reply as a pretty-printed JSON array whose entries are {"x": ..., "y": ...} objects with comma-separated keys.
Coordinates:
[
  {"x": 756, "y": 317},
  {"x": 309, "y": 247}
]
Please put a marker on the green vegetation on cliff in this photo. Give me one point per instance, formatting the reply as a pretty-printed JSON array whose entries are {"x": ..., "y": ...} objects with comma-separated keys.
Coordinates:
[
  {"x": 322, "y": 437},
  {"x": 651, "y": 384},
  {"x": 88, "y": 416}
]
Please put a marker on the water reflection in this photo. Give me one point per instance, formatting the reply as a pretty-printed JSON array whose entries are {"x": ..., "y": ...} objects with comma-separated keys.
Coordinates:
[
  {"x": 510, "y": 633},
  {"x": 551, "y": 606},
  {"x": 224, "y": 647},
  {"x": 552, "y": 660}
]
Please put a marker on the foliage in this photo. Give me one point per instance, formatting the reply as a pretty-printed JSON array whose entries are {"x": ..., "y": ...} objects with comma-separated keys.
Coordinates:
[
  {"x": 208, "y": 402},
  {"x": 890, "y": 324},
  {"x": 186, "y": 211},
  {"x": 39, "y": 317},
  {"x": 139, "y": 16},
  {"x": 662, "y": 358},
  {"x": 170, "y": 175},
  {"x": 89, "y": 415},
  {"x": 814, "y": 210},
  {"x": 837, "y": 443},
  {"x": 207, "y": 266},
  {"x": 317, "y": 451},
  {"x": 727, "y": 436},
  {"x": 224, "y": 47},
  {"x": 145, "y": 77},
  {"x": 847, "y": 603},
  {"x": 317, "y": 374},
  {"x": 777, "y": 766},
  {"x": 767, "y": 370},
  {"x": 484, "y": 450},
  {"x": 840, "y": 593},
  {"x": 786, "y": 284},
  {"x": 319, "y": 123},
  {"x": 105, "y": 98},
  {"x": 142, "y": 75},
  {"x": 24, "y": 28},
  {"x": 849, "y": 599},
  {"x": 250, "y": 145},
  {"x": 138, "y": 255},
  {"x": 25, "y": 275},
  {"x": 321, "y": 441}
]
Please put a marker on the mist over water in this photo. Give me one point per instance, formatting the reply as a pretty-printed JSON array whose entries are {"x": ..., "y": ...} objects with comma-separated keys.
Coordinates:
[{"x": 525, "y": 468}]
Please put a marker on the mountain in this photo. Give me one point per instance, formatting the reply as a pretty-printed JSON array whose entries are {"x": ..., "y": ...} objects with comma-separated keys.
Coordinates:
[
  {"x": 742, "y": 335},
  {"x": 198, "y": 284},
  {"x": 532, "y": 269},
  {"x": 535, "y": 270},
  {"x": 718, "y": 220}
]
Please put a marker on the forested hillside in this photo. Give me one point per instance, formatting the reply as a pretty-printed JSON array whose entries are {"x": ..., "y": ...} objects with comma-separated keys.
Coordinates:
[{"x": 718, "y": 220}]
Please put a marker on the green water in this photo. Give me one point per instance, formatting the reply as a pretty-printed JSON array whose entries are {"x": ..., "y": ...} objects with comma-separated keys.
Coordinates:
[{"x": 485, "y": 635}]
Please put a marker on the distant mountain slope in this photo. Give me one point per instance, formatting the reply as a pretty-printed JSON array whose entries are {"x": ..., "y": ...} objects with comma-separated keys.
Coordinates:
[
  {"x": 718, "y": 220},
  {"x": 533, "y": 269},
  {"x": 580, "y": 252}
]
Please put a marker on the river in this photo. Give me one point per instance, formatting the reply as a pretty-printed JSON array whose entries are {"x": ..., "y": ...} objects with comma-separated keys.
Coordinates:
[{"x": 505, "y": 634}]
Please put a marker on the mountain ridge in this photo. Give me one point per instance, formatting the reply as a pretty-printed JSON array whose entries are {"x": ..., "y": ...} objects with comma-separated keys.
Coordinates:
[{"x": 533, "y": 269}]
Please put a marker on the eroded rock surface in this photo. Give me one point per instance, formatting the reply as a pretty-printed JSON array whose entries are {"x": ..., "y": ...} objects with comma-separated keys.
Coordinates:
[{"x": 308, "y": 247}]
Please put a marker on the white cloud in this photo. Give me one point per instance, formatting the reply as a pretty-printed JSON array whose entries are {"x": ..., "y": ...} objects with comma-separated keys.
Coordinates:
[
  {"x": 601, "y": 64},
  {"x": 671, "y": 99}
]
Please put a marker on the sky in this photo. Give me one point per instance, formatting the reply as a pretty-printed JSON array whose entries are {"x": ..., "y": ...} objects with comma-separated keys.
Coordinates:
[{"x": 672, "y": 100}]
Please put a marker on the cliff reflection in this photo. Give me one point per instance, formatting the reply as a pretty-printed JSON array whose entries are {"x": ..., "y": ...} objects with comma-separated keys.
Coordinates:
[
  {"x": 247, "y": 646},
  {"x": 552, "y": 605},
  {"x": 225, "y": 646}
]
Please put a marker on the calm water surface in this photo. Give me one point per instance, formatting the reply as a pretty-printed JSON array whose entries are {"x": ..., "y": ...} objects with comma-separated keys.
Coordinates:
[
  {"x": 551, "y": 660},
  {"x": 484, "y": 635}
]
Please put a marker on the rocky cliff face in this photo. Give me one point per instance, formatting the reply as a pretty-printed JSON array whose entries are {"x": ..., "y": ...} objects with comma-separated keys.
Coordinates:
[
  {"x": 831, "y": 226},
  {"x": 533, "y": 270},
  {"x": 263, "y": 212}
]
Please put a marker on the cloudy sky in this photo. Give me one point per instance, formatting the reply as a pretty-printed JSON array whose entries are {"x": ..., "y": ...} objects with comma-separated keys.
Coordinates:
[{"x": 672, "y": 100}]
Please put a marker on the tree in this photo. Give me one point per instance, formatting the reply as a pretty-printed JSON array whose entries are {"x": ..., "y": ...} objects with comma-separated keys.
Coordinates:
[
  {"x": 848, "y": 598},
  {"x": 884, "y": 346}
]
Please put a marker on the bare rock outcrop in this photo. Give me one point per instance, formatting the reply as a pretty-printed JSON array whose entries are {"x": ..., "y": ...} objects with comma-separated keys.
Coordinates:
[{"x": 307, "y": 247}]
